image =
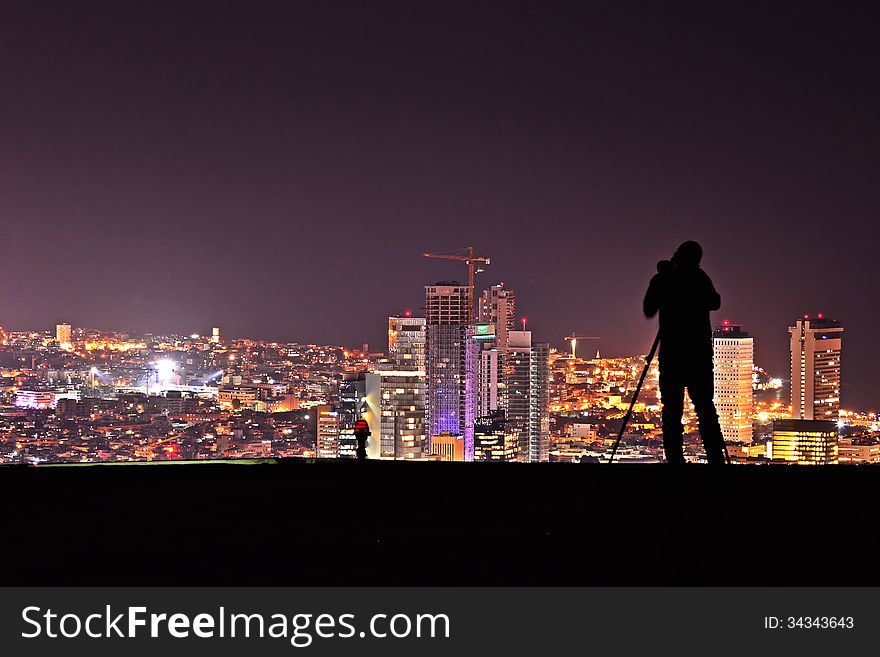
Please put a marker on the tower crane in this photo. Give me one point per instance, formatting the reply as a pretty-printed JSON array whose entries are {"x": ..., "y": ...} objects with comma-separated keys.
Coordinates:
[
  {"x": 471, "y": 261},
  {"x": 573, "y": 339}
]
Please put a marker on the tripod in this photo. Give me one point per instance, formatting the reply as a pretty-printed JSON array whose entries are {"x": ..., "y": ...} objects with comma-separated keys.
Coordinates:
[{"x": 648, "y": 359}]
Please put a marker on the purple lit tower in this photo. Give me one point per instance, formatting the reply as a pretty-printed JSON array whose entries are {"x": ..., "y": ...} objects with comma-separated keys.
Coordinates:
[{"x": 450, "y": 363}]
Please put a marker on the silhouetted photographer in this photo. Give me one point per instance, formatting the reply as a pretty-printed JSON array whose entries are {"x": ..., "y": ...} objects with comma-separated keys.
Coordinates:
[{"x": 684, "y": 295}]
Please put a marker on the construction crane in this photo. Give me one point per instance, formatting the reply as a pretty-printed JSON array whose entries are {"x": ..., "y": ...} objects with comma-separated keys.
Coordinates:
[
  {"x": 471, "y": 261},
  {"x": 573, "y": 339}
]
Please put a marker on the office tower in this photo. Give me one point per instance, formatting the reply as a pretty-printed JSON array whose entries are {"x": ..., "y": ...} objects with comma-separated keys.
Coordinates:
[
  {"x": 539, "y": 442},
  {"x": 526, "y": 376},
  {"x": 489, "y": 381},
  {"x": 733, "y": 360},
  {"x": 64, "y": 335},
  {"x": 398, "y": 391},
  {"x": 395, "y": 411},
  {"x": 215, "y": 335},
  {"x": 448, "y": 446},
  {"x": 497, "y": 306},
  {"x": 496, "y": 316},
  {"x": 327, "y": 443},
  {"x": 406, "y": 342},
  {"x": 805, "y": 442},
  {"x": 815, "y": 368},
  {"x": 352, "y": 403},
  {"x": 492, "y": 440},
  {"x": 450, "y": 363}
]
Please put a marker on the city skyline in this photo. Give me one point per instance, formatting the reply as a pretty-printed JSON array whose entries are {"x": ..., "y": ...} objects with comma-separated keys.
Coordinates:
[
  {"x": 560, "y": 346},
  {"x": 279, "y": 170}
]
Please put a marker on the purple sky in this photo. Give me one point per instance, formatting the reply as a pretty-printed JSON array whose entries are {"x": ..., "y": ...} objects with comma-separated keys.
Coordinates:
[{"x": 277, "y": 168}]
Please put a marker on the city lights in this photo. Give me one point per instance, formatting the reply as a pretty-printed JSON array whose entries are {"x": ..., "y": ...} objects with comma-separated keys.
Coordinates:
[{"x": 166, "y": 397}]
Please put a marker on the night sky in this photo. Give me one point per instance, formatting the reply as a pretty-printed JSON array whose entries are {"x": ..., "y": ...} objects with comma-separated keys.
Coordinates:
[{"x": 278, "y": 168}]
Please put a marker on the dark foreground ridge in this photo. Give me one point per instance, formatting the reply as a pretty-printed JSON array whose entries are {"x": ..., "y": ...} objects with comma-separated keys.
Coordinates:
[{"x": 298, "y": 522}]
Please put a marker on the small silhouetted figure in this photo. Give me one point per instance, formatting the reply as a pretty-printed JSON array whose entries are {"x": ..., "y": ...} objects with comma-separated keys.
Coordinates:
[
  {"x": 361, "y": 433},
  {"x": 684, "y": 295}
]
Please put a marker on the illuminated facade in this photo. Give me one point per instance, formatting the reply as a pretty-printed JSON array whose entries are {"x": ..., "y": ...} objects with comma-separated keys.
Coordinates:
[
  {"x": 397, "y": 398},
  {"x": 526, "y": 374},
  {"x": 327, "y": 442},
  {"x": 406, "y": 342},
  {"x": 35, "y": 399},
  {"x": 734, "y": 360},
  {"x": 492, "y": 440},
  {"x": 805, "y": 442},
  {"x": 451, "y": 363},
  {"x": 497, "y": 306},
  {"x": 489, "y": 385},
  {"x": 815, "y": 346},
  {"x": 859, "y": 451},
  {"x": 64, "y": 335},
  {"x": 352, "y": 403},
  {"x": 448, "y": 446}
]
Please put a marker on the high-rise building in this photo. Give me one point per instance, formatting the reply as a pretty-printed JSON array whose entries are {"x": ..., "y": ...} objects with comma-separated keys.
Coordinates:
[
  {"x": 352, "y": 404},
  {"x": 406, "y": 342},
  {"x": 526, "y": 376},
  {"x": 805, "y": 442},
  {"x": 497, "y": 306},
  {"x": 492, "y": 440},
  {"x": 64, "y": 335},
  {"x": 490, "y": 386},
  {"x": 815, "y": 368},
  {"x": 215, "y": 335},
  {"x": 395, "y": 403},
  {"x": 734, "y": 363},
  {"x": 327, "y": 443},
  {"x": 451, "y": 363},
  {"x": 496, "y": 312},
  {"x": 400, "y": 391},
  {"x": 539, "y": 443}
]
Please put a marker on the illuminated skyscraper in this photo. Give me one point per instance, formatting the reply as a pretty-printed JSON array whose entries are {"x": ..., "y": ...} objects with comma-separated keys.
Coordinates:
[
  {"x": 64, "y": 335},
  {"x": 733, "y": 360},
  {"x": 215, "y": 335},
  {"x": 406, "y": 342},
  {"x": 526, "y": 376},
  {"x": 815, "y": 368},
  {"x": 805, "y": 442},
  {"x": 498, "y": 307},
  {"x": 352, "y": 404},
  {"x": 395, "y": 411},
  {"x": 489, "y": 380},
  {"x": 451, "y": 362},
  {"x": 327, "y": 443}
]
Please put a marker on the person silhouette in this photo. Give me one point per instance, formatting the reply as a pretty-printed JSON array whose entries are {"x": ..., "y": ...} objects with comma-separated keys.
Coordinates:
[{"x": 684, "y": 295}]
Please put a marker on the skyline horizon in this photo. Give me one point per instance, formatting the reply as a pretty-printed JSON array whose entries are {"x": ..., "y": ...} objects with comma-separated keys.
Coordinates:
[{"x": 560, "y": 346}]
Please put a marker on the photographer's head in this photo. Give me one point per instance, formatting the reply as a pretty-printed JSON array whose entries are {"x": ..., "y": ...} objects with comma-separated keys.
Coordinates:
[{"x": 688, "y": 254}]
